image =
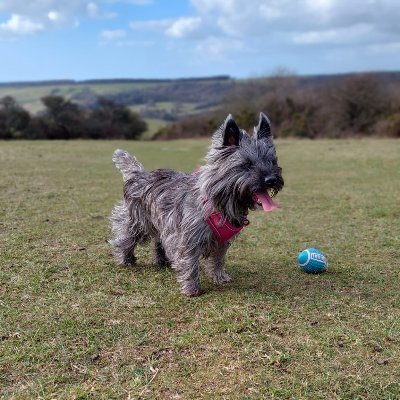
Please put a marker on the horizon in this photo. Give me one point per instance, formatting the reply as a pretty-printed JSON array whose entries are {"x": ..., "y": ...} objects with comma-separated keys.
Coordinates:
[
  {"x": 104, "y": 39},
  {"x": 68, "y": 81}
]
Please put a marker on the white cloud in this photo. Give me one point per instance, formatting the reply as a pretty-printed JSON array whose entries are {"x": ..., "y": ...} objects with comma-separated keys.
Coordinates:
[
  {"x": 322, "y": 8},
  {"x": 180, "y": 28},
  {"x": 20, "y": 25},
  {"x": 152, "y": 25},
  {"x": 245, "y": 30},
  {"x": 134, "y": 43},
  {"x": 217, "y": 47},
  {"x": 385, "y": 48},
  {"x": 220, "y": 27},
  {"x": 184, "y": 27},
  {"x": 223, "y": 6},
  {"x": 29, "y": 17},
  {"x": 120, "y": 38},
  {"x": 54, "y": 15},
  {"x": 113, "y": 34},
  {"x": 139, "y": 2},
  {"x": 94, "y": 11},
  {"x": 352, "y": 34},
  {"x": 40, "y": 15},
  {"x": 260, "y": 17},
  {"x": 287, "y": 22},
  {"x": 270, "y": 12},
  {"x": 133, "y": 2}
]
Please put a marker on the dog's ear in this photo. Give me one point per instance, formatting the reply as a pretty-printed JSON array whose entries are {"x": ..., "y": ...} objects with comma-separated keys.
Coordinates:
[
  {"x": 263, "y": 130},
  {"x": 230, "y": 132}
]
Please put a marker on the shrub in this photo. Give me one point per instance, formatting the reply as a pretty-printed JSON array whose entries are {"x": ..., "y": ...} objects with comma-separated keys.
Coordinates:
[
  {"x": 357, "y": 103},
  {"x": 389, "y": 126},
  {"x": 13, "y": 119},
  {"x": 64, "y": 119}
]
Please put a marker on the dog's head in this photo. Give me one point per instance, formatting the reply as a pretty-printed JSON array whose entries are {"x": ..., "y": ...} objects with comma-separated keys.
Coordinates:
[{"x": 242, "y": 171}]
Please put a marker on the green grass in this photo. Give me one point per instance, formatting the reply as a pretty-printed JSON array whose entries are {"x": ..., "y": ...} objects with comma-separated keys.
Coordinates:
[
  {"x": 153, "y": 125},
  {"x": 73, "y": 325},
  {"x": 29, "y": 97},
  {"x": 168, "y": 106}
]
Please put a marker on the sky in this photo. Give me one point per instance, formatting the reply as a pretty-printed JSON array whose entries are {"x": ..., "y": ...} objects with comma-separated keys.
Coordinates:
[{"x": 93, "y": 39}]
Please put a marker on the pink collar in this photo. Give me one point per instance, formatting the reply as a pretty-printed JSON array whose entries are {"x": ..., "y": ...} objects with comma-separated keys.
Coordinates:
[
  {"x": 222, "y": 228},
  {"x": 225, "y": 231}
]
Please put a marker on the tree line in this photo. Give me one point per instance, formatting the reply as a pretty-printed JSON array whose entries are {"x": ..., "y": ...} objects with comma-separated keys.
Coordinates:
[
  {"x": 64, "y": 119},
  {"x": 353, "y": 105},
  {"x": 177, "y": 91},
  {"x": 303, "y": 107}
]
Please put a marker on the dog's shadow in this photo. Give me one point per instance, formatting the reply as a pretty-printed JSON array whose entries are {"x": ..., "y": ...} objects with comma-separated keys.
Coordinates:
[
  {"x": 290, "y": 282},
  {"x": 280, "y": 281}
]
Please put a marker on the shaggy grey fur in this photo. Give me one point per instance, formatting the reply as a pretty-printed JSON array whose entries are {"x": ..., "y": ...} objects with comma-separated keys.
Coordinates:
[{"x": 171, "y": 208}]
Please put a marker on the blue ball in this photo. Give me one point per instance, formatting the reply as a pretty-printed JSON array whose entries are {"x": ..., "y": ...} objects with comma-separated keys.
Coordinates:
[{"x": 312, "y": 261}]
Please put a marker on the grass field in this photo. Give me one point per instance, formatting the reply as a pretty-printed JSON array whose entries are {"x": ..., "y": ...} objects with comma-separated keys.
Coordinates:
[
  {"x": 76, "y": 326},
  {"x": 29, "y": 97},
  {"x": 153, "y": 125}
]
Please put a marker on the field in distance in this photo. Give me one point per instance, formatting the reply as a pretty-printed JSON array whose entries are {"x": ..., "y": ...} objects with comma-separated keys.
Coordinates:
[{"x": 157, "y": 101}]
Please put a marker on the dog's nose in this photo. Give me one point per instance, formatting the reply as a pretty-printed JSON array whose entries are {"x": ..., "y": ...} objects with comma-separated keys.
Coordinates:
[{"x": 271, "y": 181}]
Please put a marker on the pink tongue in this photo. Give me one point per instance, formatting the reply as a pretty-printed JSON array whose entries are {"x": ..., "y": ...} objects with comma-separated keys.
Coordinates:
[{"x": 266, "y": 202}]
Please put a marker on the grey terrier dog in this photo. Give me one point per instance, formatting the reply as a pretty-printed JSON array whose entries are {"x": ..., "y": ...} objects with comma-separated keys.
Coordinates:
[{"x": 190, "y": 216}]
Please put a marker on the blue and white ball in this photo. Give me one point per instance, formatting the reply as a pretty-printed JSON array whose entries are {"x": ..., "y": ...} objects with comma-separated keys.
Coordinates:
[{"x": 312, "y": 261}]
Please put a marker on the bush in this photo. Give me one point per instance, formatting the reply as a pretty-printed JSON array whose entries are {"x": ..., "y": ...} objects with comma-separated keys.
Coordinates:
[
  {"x": 389, "y": 126},
  {"x": 358, "y": 103},
  {"x": 110, "y": 120},
  {"x": 309, "y": 107},
  {"x": 13, "y": 119},
  {"x": 188, "y": 128},
  {"x": 64, "y": 119}
]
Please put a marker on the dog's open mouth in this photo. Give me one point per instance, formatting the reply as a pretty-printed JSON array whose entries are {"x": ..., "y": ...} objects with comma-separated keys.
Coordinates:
[{"x": 265, "y": 201}]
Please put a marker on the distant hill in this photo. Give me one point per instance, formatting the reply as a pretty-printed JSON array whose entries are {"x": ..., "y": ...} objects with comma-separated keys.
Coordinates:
[
  {"x": 58, "y": 82},
  {"x": 160, "y": 99},
  {"x": 157, "y": 100},
  {"x": 172, "y": 96},
  {"x": 387, "y": 77}
]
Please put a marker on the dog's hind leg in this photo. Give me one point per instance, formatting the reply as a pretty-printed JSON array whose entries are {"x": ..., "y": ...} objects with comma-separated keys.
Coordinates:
[
  {"x": 215, "y": 264},
  {"x": 160, "y": 258},
  {"x": 126, "y": 234},
  {"x": 123, "y": 248}
]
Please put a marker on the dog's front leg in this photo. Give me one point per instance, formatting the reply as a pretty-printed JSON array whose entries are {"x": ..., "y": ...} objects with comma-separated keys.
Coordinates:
[
  {"x": 187, "y": 268},
  {"x": 215, "y": 264}
]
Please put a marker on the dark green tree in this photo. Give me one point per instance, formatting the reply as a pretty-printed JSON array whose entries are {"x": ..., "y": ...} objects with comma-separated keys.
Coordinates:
[
  {"x": 358, "y": 102},
  {"x": 13, "y": 119},
  {"x": 111, "y": 120},
  {"x": 62, "y": 118}
]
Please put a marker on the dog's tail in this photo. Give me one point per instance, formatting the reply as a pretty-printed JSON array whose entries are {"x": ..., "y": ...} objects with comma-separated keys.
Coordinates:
[{"x": 126, "y": 163}]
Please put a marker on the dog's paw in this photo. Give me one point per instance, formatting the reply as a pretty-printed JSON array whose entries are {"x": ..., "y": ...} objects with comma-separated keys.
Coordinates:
[
  {"x": 221, "y": 278},
  {"x": 161, "y": 262},
  {"x": 191, "y": 291},
  {"x": 128, "y": 261}
]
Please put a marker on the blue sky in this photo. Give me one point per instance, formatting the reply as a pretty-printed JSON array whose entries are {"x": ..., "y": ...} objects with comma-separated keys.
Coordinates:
[{"x": 86, "y": 39}]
